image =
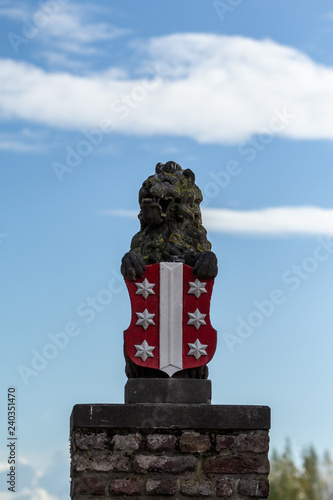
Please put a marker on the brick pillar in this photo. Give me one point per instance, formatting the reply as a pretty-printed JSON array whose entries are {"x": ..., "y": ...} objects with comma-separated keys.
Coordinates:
[{"x": 159, "y": 450}]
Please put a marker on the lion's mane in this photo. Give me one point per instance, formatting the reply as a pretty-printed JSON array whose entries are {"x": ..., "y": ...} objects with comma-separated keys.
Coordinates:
[{"x": 170, "y": 217}]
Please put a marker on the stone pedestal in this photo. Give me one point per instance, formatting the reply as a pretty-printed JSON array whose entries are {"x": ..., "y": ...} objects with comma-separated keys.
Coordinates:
[
  {"x": 168, "y": 390},
  {"x": 160, "y": 450}
]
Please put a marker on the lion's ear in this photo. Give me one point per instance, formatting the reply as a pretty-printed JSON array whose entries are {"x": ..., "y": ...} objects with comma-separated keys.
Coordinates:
[
  {"x": 158, "y": 168},
  {"x": 188, "y": 173}
]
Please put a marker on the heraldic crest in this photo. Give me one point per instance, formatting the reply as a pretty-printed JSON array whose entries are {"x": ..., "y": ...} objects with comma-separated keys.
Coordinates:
[{"x": 169, "y": 273}]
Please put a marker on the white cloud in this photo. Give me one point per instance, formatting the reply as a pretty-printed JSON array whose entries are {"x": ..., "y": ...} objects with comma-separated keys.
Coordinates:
[
  {"x": 58, "y": 59},
  {"x": 24, "y": 141},
  {"x": 32, "y": 484},
  {"x": 211, "y": 88},
  {"x": 70, "y": 30},
  {"x": 62, "y": 24},
  {"x": 268, "y": 221},
  {"x": 56, "y": 477},
  {"x": 13, "y": 13},
  {"x": 26, "y": 478},
  {"x": 17, "y": 146}
]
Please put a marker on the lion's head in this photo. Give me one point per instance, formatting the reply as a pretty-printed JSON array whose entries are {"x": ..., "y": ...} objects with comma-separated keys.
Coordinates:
[
  {"x": 170, "y": 195},
  {"x": 170, "y": 216}
]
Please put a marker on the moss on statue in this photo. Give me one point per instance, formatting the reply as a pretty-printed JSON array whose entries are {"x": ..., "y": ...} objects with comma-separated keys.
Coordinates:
[{"x": 171, "y": 225}]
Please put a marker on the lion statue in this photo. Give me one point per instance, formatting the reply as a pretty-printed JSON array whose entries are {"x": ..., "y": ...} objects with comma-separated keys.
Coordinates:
[{"x": 171, "y": 231}]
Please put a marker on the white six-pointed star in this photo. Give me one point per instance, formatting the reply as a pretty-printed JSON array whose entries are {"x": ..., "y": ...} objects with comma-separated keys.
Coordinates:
[
  {"x": 145, "y": 288},
  {"x": 197, "y": 288},
  {"x": 196, "y": 319},
  {"x": 144, "y": 351},
  {"x": 197, "y": 349},
  {"x": 145, "y": 319}
]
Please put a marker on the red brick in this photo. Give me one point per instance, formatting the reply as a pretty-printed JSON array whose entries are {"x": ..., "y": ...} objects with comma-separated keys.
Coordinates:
[
  {"x": 196, "y": 488},
  {"x": 224, "y": 442},
  {"x": 254, "y": 443},
  {"x": 236, "y": 465},
  {"x": 254, "y": 488},
  {"x": 125, "y": 486},
  {"x": 88, "y": 485},
  {"x": 129, "y": 442},
  {"x": 161, "y": 487},
  {"x": 225, "y": 488},
  {"x": 174, "y": 465},
  {"x": 161, "y": 442},
  {"x": 193, "y": 442}
]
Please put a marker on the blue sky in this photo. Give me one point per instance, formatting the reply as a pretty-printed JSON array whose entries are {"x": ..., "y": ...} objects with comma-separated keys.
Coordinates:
[{"x": 93, "y": 95}]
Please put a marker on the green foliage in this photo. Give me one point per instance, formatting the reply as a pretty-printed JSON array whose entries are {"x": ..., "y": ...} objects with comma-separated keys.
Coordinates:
[{"x": 312, "y": 480}]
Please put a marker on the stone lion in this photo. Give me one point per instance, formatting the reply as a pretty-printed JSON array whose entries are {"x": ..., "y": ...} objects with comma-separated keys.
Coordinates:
[{"x": 171, "y": 231}]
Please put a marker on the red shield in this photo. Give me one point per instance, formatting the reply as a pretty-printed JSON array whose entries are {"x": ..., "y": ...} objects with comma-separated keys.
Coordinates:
[{"x": 170, "y": 328}]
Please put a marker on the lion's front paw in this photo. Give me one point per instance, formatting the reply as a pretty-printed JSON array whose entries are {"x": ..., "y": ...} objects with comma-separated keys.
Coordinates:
[
  {"x": 132, "y": 266},
  {"x": 205, "y": 266}
]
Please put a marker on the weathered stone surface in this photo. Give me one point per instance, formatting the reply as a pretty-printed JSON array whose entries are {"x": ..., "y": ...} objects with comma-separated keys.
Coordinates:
[
  {"x": 130, "y": 486},
  {"x": 254, "y": 488},
  {"x": 194, "y": 442},
  {"x": 89, "y": 486},
  {"x": 161, "y": 487},
  {"x": 80, "y": 463},
  {"x": 161, "y": 442},
  {"x": 97, "y": 441},
  {"x": 196, "y": 488},
  {"x": 224, "y": 442},
  {"x": 115, "y": 462},
  {"x": 148, "y": 463},
  {"x": 225, "y": 487},
  {"x": 101, "y": 463},
  {"x": 129, "y": 442},
  {"x": 168, "y": 390},
  {"x": 187, "y": 462},
  {"x": 236, "y": 465},
  {"x": 254, "y": 443},
  {"x": 173, "y": 464},
  {"x": 170, "y": 416}
]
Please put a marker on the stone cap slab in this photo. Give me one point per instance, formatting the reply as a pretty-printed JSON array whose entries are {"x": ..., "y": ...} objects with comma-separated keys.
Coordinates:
[
  {"x": 170, "y": 416},
  {"x": 168, "y": 390}
]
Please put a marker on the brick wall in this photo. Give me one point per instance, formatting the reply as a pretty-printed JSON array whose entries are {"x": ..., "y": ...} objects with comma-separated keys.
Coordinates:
[{"x": 113, "y": 462}]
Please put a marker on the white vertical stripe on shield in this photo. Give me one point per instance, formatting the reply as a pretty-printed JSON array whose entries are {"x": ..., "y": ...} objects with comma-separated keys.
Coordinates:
[{"x": 171, "y": 317}]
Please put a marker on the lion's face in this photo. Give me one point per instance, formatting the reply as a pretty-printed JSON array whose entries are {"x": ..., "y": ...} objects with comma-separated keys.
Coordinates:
[{"x": 168, "y": 194}]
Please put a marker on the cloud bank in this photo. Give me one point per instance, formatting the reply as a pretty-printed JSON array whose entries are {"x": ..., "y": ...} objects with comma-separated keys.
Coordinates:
[
  {"x": 210, "y": 88},
  {"x": 270, "y": 221},
  {"x": 276, "y": 221}
]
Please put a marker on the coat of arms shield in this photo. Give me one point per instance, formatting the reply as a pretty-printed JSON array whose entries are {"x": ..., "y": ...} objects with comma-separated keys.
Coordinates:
[{"x": 170, "y": 328}]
